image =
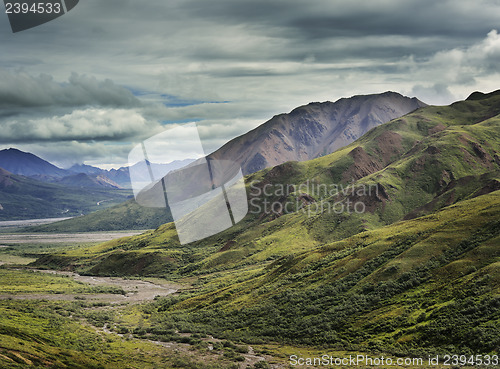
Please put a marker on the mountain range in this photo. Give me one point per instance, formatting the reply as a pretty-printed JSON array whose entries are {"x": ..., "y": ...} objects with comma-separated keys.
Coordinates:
[
  {"x": 26, "y": 198},
  {"x": 122, "y": 174},
  {"x": 412, "y": 166},
  {"x": 31, "y": 187},
  {"x": 28, "y": 165},
  {"x": 80, "y": 175},
  {"x": 307, "y": 132}
]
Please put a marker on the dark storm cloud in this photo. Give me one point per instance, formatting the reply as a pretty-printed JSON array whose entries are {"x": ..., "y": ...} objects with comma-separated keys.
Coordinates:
[
  {"x": 299, "y": 21},
  {"x": 382, "y": 18},
  {"x": 226, "y": 31},
  {"x": 20, "y": 90},
  {"x": 282, "y": 29}
]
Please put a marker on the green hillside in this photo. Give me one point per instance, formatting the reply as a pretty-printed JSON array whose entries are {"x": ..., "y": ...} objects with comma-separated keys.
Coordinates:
[
  {"x": 420, "y": 287},
  {"x": 126, "y": 215},
  {"x": 424, "y": 286},
  {"x": 428, "y": 285},
  {"x": 53, "y": 333},
  {"x": 434, "y": 140}
]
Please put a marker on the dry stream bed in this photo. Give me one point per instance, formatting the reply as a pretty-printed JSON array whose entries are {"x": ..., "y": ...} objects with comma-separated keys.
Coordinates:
[{"x": 136, "y": 291}]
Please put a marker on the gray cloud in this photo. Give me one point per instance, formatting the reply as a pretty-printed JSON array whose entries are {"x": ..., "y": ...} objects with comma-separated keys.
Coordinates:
[
  {"x": 253, "y": 59},
  {"x": 21, "y": 90},
  {"x": 80, "y": 125}
]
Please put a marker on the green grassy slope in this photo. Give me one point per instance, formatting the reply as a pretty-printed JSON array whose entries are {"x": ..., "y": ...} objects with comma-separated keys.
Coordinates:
[
  {"x": 373, "y": 152},
  {"x": 22, "y": 282},
  {"x": 428, "y": 285},
  {"x": 126, "y": 215},
  {"x": 38, "y": 333},
  {"x": 415, "y": 288}
]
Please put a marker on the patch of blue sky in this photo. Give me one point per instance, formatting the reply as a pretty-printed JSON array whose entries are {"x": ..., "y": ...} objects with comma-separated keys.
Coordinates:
[
  {"x": 174, "y": 101},
  {"x": 168, "y": 100},
  {"x": 180, "y": 121}
]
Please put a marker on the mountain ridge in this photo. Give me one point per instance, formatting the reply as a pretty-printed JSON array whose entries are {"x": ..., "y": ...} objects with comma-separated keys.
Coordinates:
[
  {"x": 30, "y": 165},
  {"x": 423, "y": 170},
  {"x": 313, "y": 130},
  {"x": 88, "y": 180},
  {"x": 374, "y": 281}
]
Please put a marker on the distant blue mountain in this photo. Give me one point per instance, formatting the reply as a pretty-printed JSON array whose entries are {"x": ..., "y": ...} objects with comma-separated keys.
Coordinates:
[
  {"x": 121, "y": 175},
  {"x": 87, "y": 169},
  {"x": 29, "y": 165},
  {"x": 27, "y": 198}
]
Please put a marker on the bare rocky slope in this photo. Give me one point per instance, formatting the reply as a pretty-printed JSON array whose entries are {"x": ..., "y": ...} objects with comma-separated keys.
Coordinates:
[{"x": 314, "y": 130}]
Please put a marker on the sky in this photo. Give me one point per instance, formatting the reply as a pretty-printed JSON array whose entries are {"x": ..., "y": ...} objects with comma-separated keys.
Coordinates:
[{"x": 90, "y": 85}]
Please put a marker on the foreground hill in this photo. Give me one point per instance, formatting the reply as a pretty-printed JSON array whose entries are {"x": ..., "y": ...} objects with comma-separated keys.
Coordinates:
[
  {"x": 377, "y": 293},
  {"x": 418, "y": 287}
]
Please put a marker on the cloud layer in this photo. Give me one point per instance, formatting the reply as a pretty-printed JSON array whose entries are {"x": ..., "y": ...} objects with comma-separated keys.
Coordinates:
[
  {"x": 111, "y": 73},
  {"x": 21, "y": 90}
]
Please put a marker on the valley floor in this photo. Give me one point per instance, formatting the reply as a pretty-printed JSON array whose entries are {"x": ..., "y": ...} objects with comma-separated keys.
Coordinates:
[
  {"x": 69, "y": 238},
  {"x": 60, "y": 319},
  {"x": 13, "y": 224},
  {"x": 131, "y": 290},
  {"x": 42, "y": 310}
]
